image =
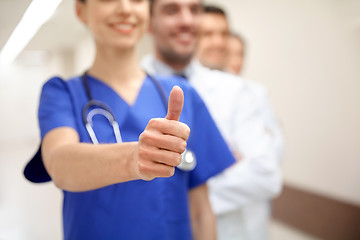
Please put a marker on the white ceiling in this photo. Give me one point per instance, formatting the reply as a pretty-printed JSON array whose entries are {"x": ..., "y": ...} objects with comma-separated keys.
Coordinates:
[{"x": 61, "y": 31}]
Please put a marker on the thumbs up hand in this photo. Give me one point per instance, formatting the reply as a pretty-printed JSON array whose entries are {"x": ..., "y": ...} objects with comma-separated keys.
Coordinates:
[
  {"x": 175, "y": 104},
  {"x": 163, "y": 141}
]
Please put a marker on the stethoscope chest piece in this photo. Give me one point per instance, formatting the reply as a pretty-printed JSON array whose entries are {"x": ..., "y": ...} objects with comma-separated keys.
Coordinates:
[{"x": 188, "y": 161}]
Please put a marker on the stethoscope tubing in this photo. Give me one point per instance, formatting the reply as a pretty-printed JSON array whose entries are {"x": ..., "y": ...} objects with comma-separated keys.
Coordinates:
[{"x": 188, "y": 162}]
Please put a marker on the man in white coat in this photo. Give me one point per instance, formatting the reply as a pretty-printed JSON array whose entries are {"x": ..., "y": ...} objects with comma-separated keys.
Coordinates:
[{"x": 240, "y": 196}]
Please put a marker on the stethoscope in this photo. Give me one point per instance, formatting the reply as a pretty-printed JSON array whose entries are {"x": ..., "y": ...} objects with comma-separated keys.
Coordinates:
[{"x": 188, "y": 161}]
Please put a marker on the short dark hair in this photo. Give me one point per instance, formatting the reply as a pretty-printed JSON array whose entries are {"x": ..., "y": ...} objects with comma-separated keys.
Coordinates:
[
  {"x": 214, "y": 9},
  {"x": 151, "y": 5}
]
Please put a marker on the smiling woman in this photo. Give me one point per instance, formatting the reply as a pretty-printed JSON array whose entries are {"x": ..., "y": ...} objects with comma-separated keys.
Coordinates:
[
  {"x": 115, "y": 186},
  {"x": 120, "y": 24}
]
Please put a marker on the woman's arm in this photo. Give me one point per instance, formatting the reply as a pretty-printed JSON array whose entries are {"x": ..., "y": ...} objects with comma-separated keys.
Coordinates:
[
  {"x": 202, "y": 217},
  {"x": 76, "y": 166}
]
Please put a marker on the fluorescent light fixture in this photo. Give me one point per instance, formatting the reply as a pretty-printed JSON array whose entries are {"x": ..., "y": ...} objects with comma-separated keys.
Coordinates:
[{"x": 38, "y": 12}]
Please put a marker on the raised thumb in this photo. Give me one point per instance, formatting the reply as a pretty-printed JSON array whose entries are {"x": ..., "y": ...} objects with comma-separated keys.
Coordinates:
[{"x": 175, "y": 105}]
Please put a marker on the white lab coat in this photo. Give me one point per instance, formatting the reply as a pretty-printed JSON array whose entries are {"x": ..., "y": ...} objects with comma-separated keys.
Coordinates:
[{"x": 240, "y": 196}]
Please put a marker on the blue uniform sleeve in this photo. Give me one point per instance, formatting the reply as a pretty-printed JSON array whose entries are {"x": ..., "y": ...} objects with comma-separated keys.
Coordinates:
[
  {"x": 55, "y": 108},
  {"x": 211, "y": 151}
]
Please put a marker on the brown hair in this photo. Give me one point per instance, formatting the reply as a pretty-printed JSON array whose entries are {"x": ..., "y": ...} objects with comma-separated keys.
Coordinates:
[
  {"x": 214, "y": 9},
  {"x": 151, "y": 6}
]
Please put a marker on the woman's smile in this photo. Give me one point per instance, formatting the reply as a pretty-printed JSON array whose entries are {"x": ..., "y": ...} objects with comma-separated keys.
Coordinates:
[{"x": 123, "y": 27}]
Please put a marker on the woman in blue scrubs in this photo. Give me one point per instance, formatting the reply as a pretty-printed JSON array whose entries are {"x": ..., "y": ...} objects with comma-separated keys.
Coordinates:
[{"x": 128, "y": 190}]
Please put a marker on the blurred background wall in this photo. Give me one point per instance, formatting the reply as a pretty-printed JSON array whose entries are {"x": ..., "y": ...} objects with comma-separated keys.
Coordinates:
[{"x": 307, "y": 53}]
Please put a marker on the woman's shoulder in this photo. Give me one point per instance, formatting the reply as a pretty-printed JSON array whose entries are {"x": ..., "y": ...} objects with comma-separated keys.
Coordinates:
[{"x": 60, "y": 82}]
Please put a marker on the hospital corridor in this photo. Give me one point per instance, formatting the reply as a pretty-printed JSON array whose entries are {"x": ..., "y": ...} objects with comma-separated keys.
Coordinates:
[{"x": 300, "y": 61}]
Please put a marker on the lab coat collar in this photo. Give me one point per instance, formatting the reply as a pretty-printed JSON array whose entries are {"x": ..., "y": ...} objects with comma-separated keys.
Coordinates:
[
  {"x": 197, "y": 74},
  {"x": 153, "y": 65}
]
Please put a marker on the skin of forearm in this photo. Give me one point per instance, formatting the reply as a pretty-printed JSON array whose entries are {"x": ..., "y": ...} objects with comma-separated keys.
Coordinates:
[
  {"x": 202, "y": 217},
  {"x": 78, "y": 167},
  {"x": 204, "y": 227}
]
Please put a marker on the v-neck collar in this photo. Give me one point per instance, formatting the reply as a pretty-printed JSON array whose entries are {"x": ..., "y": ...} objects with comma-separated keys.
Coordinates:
[{"x": 100, "y": 92}]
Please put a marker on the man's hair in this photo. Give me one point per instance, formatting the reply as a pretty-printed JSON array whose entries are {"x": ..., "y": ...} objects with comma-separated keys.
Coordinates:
[
  {"x": 151, "y": 5},
  {"x": 214, "y": 9},
  {"x": 152, "y": 2}
]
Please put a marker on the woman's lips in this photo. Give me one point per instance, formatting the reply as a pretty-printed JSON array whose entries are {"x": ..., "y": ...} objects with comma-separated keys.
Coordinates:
[{"x": 124, "y": 28}]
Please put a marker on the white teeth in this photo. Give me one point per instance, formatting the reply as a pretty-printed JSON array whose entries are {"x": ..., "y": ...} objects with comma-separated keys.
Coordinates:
[
  {"x": 123, "y": 26},
  {"x": 185, "y": 36}
]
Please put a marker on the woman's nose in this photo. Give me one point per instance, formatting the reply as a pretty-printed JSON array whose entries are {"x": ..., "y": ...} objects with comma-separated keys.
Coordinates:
[{"x": 123, "y": 7}]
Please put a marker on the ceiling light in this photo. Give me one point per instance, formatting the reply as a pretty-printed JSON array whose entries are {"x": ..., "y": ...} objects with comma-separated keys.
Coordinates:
[{"x": 38, "y": 12}]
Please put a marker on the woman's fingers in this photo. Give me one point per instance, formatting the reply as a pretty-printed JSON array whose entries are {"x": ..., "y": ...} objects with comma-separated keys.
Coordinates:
[
  {"x": 162, "y": 156},
  {"x": 149, "y": 170},
  {"x": 169, "y": 127},
  {"x": 163, "y": 140}
]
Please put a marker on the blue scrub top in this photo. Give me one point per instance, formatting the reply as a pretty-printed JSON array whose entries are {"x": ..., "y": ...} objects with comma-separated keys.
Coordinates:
[{"x": 156, "y": 209}]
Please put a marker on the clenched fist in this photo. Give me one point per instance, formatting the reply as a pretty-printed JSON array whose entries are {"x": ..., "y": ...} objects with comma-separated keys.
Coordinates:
[{"x": 163, "y": 141}]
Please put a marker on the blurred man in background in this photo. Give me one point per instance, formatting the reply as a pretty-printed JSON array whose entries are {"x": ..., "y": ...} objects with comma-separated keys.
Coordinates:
[
  {"x": 240, "y": 195},
  {"x": 234, "y": 60},
  {"x": 213, "y": 38},
  {"x": 218, "y": 48}
]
